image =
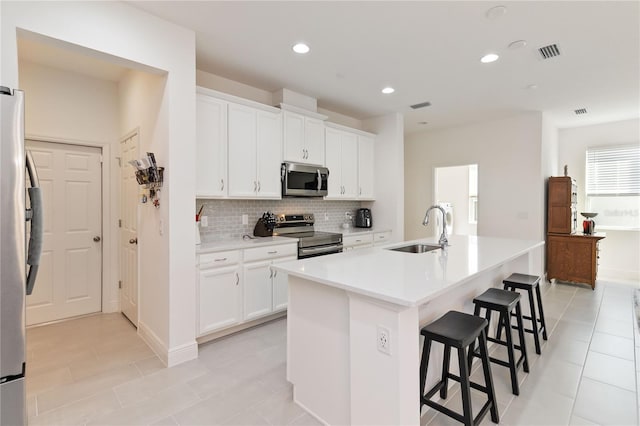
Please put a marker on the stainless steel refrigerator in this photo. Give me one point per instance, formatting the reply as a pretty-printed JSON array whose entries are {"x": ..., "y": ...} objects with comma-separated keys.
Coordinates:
[{"x": 20, "y": 205}]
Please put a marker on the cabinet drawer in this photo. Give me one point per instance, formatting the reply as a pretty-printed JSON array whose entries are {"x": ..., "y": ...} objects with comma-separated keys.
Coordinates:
[
  {"x": 221, "y": 258},
  {"x": 357, "y": 240},
  {"x": 270, "y": 252},
  {"x": 381, "y": 237}
]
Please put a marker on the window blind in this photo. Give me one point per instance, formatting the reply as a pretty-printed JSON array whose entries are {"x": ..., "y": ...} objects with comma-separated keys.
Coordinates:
[{"x": 613, "y": 170}]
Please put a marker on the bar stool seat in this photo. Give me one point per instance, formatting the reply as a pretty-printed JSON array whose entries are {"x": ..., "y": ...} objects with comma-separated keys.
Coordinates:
[
  {"x": 504, "y": 302},
  {"x": 458, "y": 330},
  {"x": 531, "y": 284}
]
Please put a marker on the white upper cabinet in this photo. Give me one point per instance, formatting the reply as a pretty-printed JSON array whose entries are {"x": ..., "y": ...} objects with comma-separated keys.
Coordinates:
[
  {"x": 255, "y": 152},
  {"x": 211, "y": 147},
  {"x": 365, "y": 167},
  {"x": 303, "y": 139},
  {"x": 342, "y": 162}
]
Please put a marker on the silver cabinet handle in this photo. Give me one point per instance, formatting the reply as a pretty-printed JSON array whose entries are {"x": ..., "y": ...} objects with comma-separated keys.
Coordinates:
[
  {"x": 360, "y": 192},
  {"x": 275, "y": 273},
  {"x": 270, "y": 273},
  {"x": 222, "y": 259},
  {"x": 133, "y": 241},
  {"x": 96, "y": 238},
  {"x": 221, "y": 184},
  {"x": 272, "y": 252},
  {"x": 237, "y": 279},
  {"x": 258, "y": 186},
  {"x": 255, "y": 186}
]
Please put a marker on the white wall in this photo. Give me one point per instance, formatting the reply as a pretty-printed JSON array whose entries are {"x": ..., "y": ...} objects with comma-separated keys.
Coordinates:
[
  {"x": 510, "y": 181},
  {"x": 388, "y": 209},
  {"x": 63, "y": 106},
  {"x": 550, "y": 166},
  {"x": 620, "y": 250},
  {"x": 119, "y": 32}
]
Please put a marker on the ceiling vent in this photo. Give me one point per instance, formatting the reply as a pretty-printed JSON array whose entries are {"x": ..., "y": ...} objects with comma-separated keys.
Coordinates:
[
  {"x": 421, "y": 105},
  {"x": 550, "y": 51},
  {"x": 580, "y": 111}
]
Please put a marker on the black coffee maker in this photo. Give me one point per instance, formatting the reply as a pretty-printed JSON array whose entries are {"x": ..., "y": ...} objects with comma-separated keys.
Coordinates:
[{"x": 363, "y": 218}]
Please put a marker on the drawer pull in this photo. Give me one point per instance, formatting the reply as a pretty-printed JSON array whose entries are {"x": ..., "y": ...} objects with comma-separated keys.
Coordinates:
[
  {"x": 220, "y": 259},
  {"x": 272, "y": 252},
  {"x": 237, "y": 279}
]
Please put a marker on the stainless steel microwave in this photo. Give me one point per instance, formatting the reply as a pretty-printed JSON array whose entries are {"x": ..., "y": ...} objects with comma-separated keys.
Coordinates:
[{"x": 303, "y": 180}]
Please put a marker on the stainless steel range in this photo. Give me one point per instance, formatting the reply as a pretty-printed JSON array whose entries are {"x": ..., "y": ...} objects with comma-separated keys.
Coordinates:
[{"x": 311, "y": 243}]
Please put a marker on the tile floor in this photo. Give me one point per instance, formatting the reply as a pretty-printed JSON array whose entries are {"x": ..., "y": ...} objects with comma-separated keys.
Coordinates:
[{"x": 95, "y": 370}]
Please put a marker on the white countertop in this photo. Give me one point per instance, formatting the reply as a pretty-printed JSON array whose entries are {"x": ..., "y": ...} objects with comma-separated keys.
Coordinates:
[
  {"x": 409, "y": 279},
  {"x": 239, "y": 243}
]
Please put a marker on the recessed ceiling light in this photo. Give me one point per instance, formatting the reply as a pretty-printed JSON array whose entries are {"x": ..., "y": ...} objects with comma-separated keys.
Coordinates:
[
  {"x": 491, "y": 57},
  {"x": 531, "y": 87},
  {"x": 388, "y": 90},
  {"x": 518, "y": 44},
  {"x": 300, "y": 48},
  {"x": 496, "y": 12}
]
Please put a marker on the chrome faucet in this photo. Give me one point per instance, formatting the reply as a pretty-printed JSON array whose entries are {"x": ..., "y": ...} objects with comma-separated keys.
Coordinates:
[{"x": 443, "y": 237}]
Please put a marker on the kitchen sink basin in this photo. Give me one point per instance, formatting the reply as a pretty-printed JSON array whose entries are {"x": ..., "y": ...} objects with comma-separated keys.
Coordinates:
[{"x": 417, "y": 248}]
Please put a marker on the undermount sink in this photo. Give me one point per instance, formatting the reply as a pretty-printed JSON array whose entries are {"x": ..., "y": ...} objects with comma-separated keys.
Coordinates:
[{"x": 416, "y": 248}]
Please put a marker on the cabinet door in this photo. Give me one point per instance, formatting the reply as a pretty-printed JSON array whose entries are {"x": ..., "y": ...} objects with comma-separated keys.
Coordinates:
[
  {"x": 219, "y": 298},
  {"x": 281, "y": 287},
  {"x": 349, "y": 166},
  {"x": 269, "y": 154},
  {"x": 365, "y": 168},
  {"x": 257, "y": 289},
  {"x": 211, "y": 147},
  {"x": 314, "y": 141},
  {"x": 294, "y": 149},
  {"x": 333, "y": 149},
  {"x": 242, "y": 151}
]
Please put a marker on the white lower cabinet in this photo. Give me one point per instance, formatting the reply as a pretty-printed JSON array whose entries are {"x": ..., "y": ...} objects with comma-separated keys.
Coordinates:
[
  {"x": 220, "y": 295},
  {"x": 238, "y": 286},
  {"x": 364, "y": 240},
  {"x": 380, "y": 238}
]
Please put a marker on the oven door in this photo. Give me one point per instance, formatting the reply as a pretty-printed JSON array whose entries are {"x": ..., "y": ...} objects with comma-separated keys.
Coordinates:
[
  {"x": 304, "y": 180},
  {"x": 306, "y": 252}
]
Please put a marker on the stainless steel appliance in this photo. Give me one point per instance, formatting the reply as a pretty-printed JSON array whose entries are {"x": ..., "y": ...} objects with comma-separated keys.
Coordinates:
[
  {"x": 311, "y": 243},
  {"x": 363, "y": 218},
  {"x": 15, "y": 281},
  {"x": 303, "y": 180}
]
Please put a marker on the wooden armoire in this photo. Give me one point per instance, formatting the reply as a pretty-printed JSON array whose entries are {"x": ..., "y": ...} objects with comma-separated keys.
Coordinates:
[{"x": 571, "y": 255}]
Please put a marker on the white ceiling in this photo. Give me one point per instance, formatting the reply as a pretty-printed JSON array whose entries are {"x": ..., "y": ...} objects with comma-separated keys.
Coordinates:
[{"x": 428, "y": 51}]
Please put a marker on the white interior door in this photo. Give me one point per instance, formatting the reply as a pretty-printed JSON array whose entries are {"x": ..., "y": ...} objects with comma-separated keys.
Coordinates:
[
  {"x": 69, "y": 282},
  {"x": 129, "y": 230}
]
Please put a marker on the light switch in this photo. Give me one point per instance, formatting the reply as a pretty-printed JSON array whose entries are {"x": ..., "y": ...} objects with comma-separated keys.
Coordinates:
[{"x": 245, "y": 219}]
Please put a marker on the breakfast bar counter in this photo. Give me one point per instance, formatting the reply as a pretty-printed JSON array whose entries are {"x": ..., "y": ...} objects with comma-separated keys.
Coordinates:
[{"x": 354, "y": 318}]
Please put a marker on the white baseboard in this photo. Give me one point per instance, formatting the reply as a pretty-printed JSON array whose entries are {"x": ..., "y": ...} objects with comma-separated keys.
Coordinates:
[
  {"x": 182, "y": 353},
  {"x": 610, "y": 274},
  {"x": 169, "y": 357},
  {"x": 154, "y": 342}
]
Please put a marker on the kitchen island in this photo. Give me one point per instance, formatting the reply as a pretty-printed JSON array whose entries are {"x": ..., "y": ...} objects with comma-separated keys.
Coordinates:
[{"x": 353, "y": 345}]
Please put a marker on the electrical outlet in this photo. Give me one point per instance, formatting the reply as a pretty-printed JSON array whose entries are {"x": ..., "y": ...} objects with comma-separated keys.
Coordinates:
[
  {"x": 204, "y": 221},
  {"x": 383, "y": 340},
  {"x": 245, "y": 219}
]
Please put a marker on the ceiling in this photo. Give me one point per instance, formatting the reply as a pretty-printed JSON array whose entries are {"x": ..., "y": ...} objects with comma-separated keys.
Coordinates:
[{"x": 428, "y": 51}]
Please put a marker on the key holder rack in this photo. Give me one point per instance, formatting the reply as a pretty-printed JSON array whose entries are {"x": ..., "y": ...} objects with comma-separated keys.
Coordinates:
[{"x": 150, "y": 177}]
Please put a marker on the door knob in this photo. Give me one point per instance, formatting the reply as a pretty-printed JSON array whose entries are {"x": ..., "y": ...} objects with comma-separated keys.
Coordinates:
[
  {"x": 133, "y": 241},
  {"x": 96, "y": 238}
]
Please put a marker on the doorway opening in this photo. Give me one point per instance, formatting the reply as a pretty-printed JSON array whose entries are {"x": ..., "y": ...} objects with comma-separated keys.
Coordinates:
[{"x": 456, "y": 191}]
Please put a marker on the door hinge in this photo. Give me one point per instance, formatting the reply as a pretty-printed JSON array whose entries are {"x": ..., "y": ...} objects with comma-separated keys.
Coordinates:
[
  {"x": 119, "y": 223},
  {"x": 119, "y": 284}
]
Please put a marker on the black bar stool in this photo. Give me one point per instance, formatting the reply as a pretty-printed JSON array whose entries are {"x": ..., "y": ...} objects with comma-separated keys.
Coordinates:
[
  {"x": 530, "y": 283},
  {"x": 504, "y": 302},
  {"x": 458, "y": 330}
]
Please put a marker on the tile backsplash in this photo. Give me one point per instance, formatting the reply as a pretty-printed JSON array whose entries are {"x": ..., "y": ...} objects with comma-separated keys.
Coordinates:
[{"x": 225, "y": 216}]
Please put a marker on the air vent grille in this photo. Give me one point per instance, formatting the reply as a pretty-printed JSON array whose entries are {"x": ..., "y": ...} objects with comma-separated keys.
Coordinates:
[
  {"x": 421, "y": 105},
  {"x": 580, "y": 111},
  {"x": 549, "y": 51}
]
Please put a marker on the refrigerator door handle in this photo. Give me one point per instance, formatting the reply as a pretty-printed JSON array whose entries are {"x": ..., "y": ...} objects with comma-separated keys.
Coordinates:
[{"x": 37, "y": 226}]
